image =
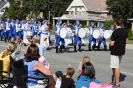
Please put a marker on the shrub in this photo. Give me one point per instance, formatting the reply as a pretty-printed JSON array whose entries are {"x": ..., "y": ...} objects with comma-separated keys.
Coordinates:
[
  {"x": 130, "y": 34},
  {"x": 107, "y": 24}
]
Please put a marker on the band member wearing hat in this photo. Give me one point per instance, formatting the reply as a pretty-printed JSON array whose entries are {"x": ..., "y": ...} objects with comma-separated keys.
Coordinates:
[
  {"x": 101, "y": 29},
  {"x": 91, "y": 39},
  {"x": 44, "y": 32},
  {"x": 17, "y": 28},
  {"x": 13, "y": 31},
  {"x": 26, "y": 32},
  {"x": 7, "y": 29},
  {"x": 57, "y": 37},
  {"x": 77, "y": 39},
  {"x": 35, "y": 28},
  {"x": 1, "y": 29},
  {"x": 22, "y": 29},
  {"x": 111, "y": 29}
]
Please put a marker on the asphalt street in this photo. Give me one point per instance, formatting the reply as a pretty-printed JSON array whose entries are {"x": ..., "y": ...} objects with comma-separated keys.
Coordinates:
[{"x": 100, "y": 59}]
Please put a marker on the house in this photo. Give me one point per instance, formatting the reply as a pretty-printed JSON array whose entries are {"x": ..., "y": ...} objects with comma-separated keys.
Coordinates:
[
  {"x": 3, "y": 5},
  {"x": 86, "y": 11},
  {"x": 131, "y": 19}
]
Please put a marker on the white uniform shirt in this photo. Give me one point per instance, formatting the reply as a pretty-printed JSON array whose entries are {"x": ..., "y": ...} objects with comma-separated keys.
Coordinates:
[
  {"x": 23, "y": 26},
  {"x": 91, "y": 30},
  {"x": 101, "y": 31},
  {"x": 44, "y": 29},
  {"x": 8, "y": 26},
  {"x": 17, "y": 27},
  {"x": 58, "y": 29}
]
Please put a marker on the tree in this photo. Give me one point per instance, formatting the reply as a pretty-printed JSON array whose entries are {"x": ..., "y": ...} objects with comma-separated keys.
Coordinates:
[
  {"x": 50, "y": 8},
  {"x": 122, "y": 8}
]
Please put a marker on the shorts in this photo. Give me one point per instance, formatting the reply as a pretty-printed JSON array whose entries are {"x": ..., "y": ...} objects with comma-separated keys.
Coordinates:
[{"x": 115, "y": 61}]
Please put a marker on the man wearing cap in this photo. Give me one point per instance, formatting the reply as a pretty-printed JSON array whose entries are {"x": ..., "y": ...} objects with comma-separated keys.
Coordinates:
[
  {"x": 44, "y": 32},
  {"x": 7, "y": 29},
  {"x": 101, "y": 29},
  {"x": 91, "y": 38},
  {"x": 1, "y": 29},
  {"x": 77, "y": 39},
  {"x": 57, "y": 37}
]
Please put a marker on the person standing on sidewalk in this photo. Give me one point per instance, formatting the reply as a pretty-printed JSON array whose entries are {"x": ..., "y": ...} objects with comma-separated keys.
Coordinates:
[{"x": 118, "y": 44}]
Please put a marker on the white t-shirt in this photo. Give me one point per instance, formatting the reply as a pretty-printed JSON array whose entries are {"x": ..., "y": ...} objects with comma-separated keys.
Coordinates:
[{"x": 58, "y": 83}]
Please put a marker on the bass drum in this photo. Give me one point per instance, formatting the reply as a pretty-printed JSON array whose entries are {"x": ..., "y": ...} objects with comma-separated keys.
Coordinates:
[
  {"x": 69, "y": 33},
  {"x": 63, "y": 32},
  {"x": 107, "y": 34},
  {"x": 82, "y": 33},
  {"x": 96, "y": 33}
]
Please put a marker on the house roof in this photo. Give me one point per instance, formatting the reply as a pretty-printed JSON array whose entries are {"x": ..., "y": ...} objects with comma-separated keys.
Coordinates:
[
  {"x": 2, "y": 4},
  {"x": 90, "y": 5},
  {"x": 96, "y": 5},
  {"x": 80, "y": 17}
]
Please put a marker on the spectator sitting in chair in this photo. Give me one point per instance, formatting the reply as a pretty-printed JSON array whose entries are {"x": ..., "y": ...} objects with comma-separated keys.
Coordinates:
[
  {"x": 32, "y": 65},
  {"x": 5, "y": 58}
]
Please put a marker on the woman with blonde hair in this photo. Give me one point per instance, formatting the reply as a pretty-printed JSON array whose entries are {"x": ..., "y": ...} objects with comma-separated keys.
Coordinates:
[{"x": 5, "y": 58}]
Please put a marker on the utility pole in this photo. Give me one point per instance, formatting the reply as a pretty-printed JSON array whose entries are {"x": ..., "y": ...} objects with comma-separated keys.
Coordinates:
[{"x": 21, "y": 8}]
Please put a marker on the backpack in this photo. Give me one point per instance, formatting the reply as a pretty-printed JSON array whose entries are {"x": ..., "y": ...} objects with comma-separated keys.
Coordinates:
[{"x": 100, "y": 85}]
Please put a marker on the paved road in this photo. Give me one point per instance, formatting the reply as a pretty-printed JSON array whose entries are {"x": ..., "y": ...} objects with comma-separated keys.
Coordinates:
[{"x": 100, "y": 59}]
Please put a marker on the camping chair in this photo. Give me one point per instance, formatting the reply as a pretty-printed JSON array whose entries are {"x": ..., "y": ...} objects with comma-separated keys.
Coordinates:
[
  {"x": 2, "y": 81},
  {"x": 19, "y": 77}
]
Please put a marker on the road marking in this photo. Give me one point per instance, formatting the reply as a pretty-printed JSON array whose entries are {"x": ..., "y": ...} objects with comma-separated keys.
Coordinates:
[{"x": 126, "y": 73}]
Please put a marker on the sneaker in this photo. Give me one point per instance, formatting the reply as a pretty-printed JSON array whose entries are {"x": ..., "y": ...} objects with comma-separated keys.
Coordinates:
[
  {"x": 113, "y": 83},
  {"x": 117, "y": 86}
]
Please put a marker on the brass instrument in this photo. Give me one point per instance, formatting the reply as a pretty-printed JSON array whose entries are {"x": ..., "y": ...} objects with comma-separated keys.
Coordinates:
[{"x": 71, "y": 26}]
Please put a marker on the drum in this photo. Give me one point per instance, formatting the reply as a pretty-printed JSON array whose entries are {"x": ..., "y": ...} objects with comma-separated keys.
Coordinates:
[
  {"x": 107, "y": 34},
  {"x": 69, "y": 33},
  {"x": 96, "y": 34},
  {"x": 87, "y": 33},
  {"x": 29, "y": 33},
  {"x": 63, "y": 32},
  {"x": 82, "y": 33}
]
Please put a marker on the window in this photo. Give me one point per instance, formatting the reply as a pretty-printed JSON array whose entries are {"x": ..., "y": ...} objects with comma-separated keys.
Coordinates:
[
  {"x": 75, "y": 11},
  {"x": 80, "y": 11}
]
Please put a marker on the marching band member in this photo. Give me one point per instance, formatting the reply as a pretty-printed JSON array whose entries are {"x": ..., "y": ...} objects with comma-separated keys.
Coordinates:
[
  {"x": 101, "y": 29},
  {"x": 57, "y": 37},
  {"x": 44, "y": 32},
  {"x": 111, "y": 29},
  {"x": 26, "y": 35},
  {"x": 35, "y": 28},
  {"x": 17, "y": 28},
  {"x": 13, "y": 31},
  {"x": 77, "y": 39},
  {"x": 39, "y": 26},
  {"x": 7, "y": 29},
  {"x": 1, "y": 29},
  {"x": 22, "y": 29},
  {"x": 91, "y": 39}
]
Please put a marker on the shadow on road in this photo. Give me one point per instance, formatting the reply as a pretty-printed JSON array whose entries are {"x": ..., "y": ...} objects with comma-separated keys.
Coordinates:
[{"x": 122, "y": 77}]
